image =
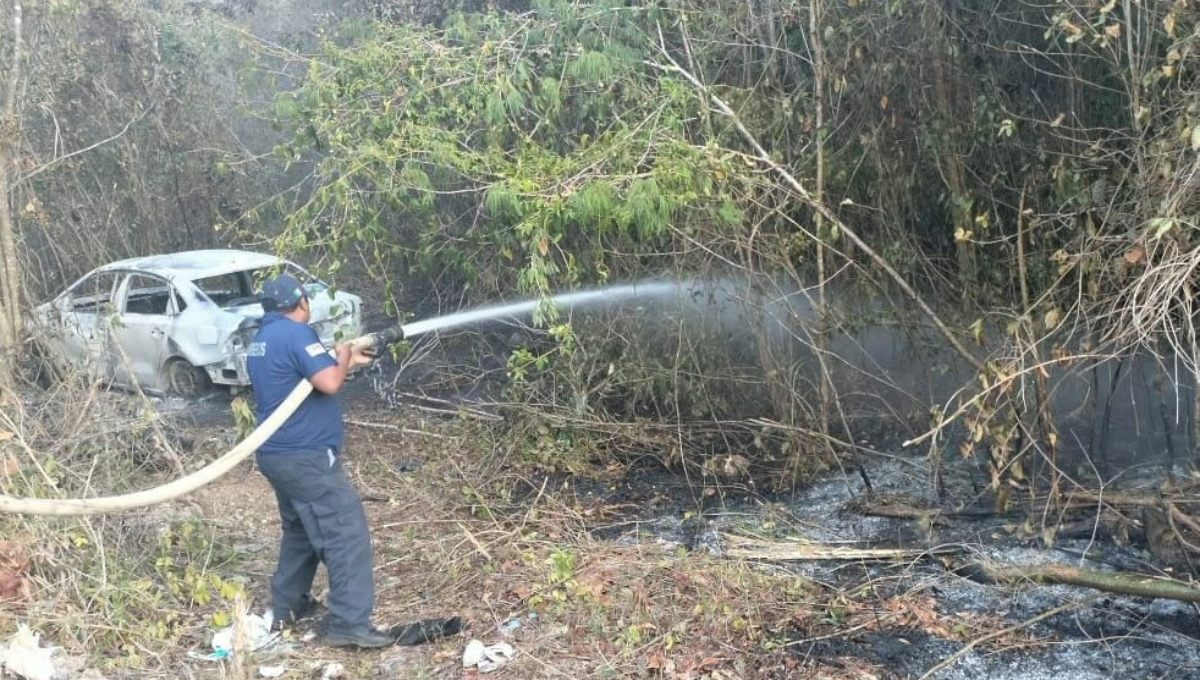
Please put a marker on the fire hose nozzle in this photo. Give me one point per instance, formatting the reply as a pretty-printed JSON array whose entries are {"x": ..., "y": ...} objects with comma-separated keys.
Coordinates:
[
  {"x": 388, "y": 336},
  {"x": 380, "y": 339}
]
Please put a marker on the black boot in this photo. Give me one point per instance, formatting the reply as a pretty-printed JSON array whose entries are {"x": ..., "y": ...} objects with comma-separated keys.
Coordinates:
[
  {"x": 366, "y": 638},
  {"x": 425, "y": 631}
]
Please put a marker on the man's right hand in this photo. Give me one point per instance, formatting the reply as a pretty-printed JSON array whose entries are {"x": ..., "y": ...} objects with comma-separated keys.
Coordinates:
[{"x": 349, "y": 358}]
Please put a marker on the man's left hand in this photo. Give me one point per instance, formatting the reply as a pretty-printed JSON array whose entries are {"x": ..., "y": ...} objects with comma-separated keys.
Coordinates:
[{"x": 356, "y": 357}]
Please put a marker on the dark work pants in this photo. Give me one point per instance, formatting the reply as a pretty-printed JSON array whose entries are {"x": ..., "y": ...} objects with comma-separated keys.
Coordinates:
[{"x": 323, "y": 521}]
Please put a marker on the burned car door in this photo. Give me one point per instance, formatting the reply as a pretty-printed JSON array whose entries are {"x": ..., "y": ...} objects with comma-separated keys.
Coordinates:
[
  {"x": 84, "y": 311},
  {"x": 140, "y": 330}
]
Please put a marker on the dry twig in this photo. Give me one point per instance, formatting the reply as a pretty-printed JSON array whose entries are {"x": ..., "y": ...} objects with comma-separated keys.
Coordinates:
[{"x": 953, "y": 658}]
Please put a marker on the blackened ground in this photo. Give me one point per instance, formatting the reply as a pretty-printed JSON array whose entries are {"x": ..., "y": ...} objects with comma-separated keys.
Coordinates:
[
  {"x": 1096, "y": 636},
  {"x": 900, "y": 619}
]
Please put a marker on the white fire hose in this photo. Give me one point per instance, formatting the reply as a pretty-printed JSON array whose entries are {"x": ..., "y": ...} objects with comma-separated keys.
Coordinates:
[
  {"x": 376, "y": 341},
  {"x": 199, "y": 478}
]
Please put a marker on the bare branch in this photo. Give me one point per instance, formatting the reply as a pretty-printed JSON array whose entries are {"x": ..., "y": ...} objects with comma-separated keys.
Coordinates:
[
  {"x": 49, "y": 165},
  {"x": 821, "y": 208}
]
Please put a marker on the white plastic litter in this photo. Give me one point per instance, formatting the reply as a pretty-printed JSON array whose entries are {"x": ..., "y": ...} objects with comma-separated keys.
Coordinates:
[
  {"x": 24, "y": 656},
  {"x": 271, "y": 671},
  {"x": 332, "y": 671},
  {"x": 258, "y": 636},
  {"x": 473, "y": 654},
  {"x": 487, "y": 658}
]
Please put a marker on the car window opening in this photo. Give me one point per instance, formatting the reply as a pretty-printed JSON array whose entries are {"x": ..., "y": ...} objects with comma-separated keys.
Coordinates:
[
  {"x": 228, "y": 290},
  {"x": 236, "y": 289},
  {"x": 94, "y": 294},
  {"x": 147, "y": 295}
]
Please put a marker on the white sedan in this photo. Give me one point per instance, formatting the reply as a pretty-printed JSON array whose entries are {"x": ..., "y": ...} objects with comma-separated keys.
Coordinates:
[{"x": 176, "y": 323}]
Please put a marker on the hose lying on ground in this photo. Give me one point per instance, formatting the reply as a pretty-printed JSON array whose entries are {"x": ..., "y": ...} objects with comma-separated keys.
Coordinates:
[{"x": 192, "y": 482}]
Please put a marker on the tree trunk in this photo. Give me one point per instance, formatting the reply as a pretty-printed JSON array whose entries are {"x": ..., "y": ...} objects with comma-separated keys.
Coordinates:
[
  {"x": 10, "y": 266},
  {"x": 951, "y": 161},
  {"x": 815, "y": 12}
]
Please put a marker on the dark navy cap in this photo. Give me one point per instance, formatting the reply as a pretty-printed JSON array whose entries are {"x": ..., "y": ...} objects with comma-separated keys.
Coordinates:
[{"x": 282, "y": 293}]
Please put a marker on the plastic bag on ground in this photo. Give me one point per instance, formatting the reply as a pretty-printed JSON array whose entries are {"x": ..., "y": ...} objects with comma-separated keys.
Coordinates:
[
  {"x": 258, "y": 636},
  {"x": 487, "y": 658},
  {"x": 24, "y": 657}
]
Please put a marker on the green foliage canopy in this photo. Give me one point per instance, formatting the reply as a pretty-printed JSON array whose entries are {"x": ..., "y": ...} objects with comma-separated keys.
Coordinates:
[{"x": 546, "y": 148}]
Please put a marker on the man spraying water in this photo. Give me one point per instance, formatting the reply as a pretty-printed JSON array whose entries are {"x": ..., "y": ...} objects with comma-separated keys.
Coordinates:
[{"x": 322, "y": 515}]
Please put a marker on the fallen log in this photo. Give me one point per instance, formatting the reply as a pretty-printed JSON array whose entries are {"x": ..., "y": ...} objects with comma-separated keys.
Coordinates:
[
  {"x": 1151, "y": 499},
  {"x": 748, "y": 548},
  {"x": 898, "y": 507},
  {"x": 1137, "y": 585}
]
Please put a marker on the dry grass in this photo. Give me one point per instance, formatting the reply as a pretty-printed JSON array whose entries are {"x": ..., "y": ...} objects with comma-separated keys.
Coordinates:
[{"x": 467, "y": 534}]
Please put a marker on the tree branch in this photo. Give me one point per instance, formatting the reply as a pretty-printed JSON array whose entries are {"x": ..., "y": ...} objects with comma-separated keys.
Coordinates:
[
  {"x": 48, "y": 165},
  {"x": 952, "y": 659},
  {"x": 819, "y": 206}
]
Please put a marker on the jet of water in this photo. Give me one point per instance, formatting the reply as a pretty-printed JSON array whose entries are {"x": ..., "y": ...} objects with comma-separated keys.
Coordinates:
[{"x": 564, "y": 301}]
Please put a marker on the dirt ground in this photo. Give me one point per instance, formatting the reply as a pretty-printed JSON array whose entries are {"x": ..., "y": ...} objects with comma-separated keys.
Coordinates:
[
  {"x": 629, "y": 572},
  {"x": 515, "y": 558},
  {"x": 626, "y": 573}
]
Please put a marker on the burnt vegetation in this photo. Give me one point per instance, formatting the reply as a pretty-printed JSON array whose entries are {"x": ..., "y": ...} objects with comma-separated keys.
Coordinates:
[{"x": 959, "y": 232}]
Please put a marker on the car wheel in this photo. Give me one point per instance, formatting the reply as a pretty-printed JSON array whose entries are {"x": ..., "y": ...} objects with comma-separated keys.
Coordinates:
[{"x": 187, "y": 380}]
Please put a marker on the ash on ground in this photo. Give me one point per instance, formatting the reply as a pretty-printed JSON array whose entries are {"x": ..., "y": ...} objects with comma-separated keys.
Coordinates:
[{"x": 1095, "y": 636}]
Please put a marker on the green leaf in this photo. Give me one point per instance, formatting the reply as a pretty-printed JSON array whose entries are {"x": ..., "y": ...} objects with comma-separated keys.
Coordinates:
[{"x": 1160, "y": 226}]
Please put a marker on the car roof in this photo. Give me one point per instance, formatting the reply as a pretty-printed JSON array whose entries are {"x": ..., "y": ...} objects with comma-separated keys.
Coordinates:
[{"x": 195, "y": 264}]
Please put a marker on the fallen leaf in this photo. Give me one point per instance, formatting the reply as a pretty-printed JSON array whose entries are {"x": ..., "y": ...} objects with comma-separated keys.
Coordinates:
[
  {"x": 14, "y": 567},
  {"x": 736, "y": 465},
  {"x": 1053, "y": 317},
  {"x": 1061, "y": 355}
]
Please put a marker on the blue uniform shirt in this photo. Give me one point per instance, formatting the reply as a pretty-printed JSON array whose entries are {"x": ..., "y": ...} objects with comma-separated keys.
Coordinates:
[{"x": 283, "y": 353}]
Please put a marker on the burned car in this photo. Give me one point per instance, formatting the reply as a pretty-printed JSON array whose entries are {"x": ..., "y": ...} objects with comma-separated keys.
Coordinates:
[{"x": 176, "y": 323}]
